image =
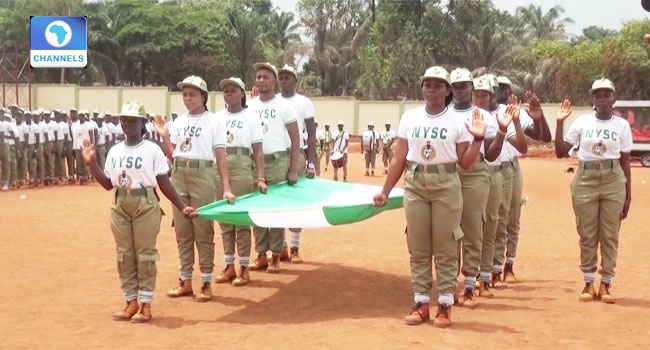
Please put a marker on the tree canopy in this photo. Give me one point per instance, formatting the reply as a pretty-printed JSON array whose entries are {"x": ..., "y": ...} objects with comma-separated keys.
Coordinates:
[{"x": 371, "y": 49}]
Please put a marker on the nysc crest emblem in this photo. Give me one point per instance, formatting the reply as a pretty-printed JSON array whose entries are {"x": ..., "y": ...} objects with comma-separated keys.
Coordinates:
[
  {"x": 599, "y": 149},
  {"x": 427, "y": 152},
  {"x": 186, "y": 146}
]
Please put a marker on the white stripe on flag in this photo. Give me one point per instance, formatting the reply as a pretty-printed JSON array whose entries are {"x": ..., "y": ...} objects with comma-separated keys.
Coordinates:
[{"x": 304, "y": 218}]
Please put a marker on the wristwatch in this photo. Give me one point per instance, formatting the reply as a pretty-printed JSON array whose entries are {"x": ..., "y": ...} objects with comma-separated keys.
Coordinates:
[{"x": 311, "y": 166}]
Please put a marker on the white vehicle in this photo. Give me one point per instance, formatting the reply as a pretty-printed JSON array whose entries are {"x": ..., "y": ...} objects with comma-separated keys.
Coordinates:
[{"x": 638, "y": 114}]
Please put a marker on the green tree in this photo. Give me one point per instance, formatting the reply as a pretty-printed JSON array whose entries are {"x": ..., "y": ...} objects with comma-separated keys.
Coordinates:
[{"x": 540, "y": 25}]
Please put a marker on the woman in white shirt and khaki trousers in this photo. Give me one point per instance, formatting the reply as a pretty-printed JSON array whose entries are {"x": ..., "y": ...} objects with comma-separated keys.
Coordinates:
[{"x": 601, "y": 190}]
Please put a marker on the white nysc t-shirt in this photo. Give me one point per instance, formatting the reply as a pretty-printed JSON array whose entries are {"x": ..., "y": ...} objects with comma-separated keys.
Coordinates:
[
  {"x": 432, "y": 139},
  {"x": 243, "y": 129},
  {"x": 133, "y": 167},
  {"x": 274, "y": 116},
  {"x": 600, "y": 139},
  {"x": 197, "y": 136}
]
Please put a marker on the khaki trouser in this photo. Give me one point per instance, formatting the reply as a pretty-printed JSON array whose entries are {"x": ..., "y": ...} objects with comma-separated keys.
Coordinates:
[
  {"x": 82, "y": 167},
  {"x": 5, "y": 160},
  {"x": 275, "y": 170},
  {"x": 302, "y": 162},
  {"x": 500, "y": 240},
  {"x": 40, "y": 162},
  {"x": 370, "y": 157},
  {"x": 433, "y": 203},
  {"x": 48, "y": 159},
  {"x": 13, "y": 165},
  {"x": 101, "y": 155},
  {"x": 31, "y": 162},
  {"x": 515, "y": 211},
  {"x": 135, "y": 222},
  {"x": 598, "y": 196},
  {"x": 70, "y": 158},
  {"x": 59, "y": 166},
  {"x": 387, "y": 156},
  {"x": 491, "y": 220},
  {"x": 21, "y": 162},
  {"x": 475, "y": 188},
  {"x": 240, "y": 171},
  {"x": 196, "y": 186}
]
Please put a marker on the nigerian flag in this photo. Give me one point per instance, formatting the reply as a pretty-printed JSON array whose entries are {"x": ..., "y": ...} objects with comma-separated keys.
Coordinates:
[{"x": 310, "y": 203}]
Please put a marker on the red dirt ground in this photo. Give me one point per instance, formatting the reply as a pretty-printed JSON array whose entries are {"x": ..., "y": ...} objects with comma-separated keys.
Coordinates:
[{"x": 353, "y": 291}]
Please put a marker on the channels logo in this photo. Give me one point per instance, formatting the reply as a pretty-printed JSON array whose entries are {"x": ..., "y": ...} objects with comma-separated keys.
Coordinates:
[{"x": 58, "y": 42}]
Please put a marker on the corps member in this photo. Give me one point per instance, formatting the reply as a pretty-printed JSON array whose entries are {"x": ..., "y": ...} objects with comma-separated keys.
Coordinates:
[
  {"x": 135, "y": 168},
  {"x": 431, "y": 141},
  {"x": 288, "y": 78},
  {"x": 340, "y": 140},
  {"x": 370, "y": 144},
  {"x": 244, "y": 139},
  {"x": 195, "y": 141},
  {"x": 278, "y": 118},
  {"x": 387, "y": 139},
  {"x": 602, "y": 188}
]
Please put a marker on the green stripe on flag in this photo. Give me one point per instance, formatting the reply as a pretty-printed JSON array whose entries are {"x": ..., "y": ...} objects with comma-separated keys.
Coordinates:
[{"x": 340, "y": 215}]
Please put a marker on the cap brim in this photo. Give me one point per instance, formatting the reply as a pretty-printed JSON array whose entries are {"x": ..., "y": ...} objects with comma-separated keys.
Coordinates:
[
  {"x": 258, "y": 66},
  {"x": 288, "y": 71},
  {"x": 223, "y": 83},
  {"x": 424, "y": 77},
  {"x": 181, "y": 85},
  {"x": 602, "y": 88}
]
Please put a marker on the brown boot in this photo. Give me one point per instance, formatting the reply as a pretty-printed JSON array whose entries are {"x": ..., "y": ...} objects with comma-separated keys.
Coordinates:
[
  {"x": 206, "y": 293},
  {"x": 260, "y": 263},
  {"x": 184, "y": 289},
  {"x": 284, "y": 255},
  {"x": 294, "y": 257},
  {"x": 243, "y": 278},
  {"x": 227, "y": 275},
  {"x": 128, "y": 312},
  {"x": 588, "y": 293},
  {"x": 443, "y": 317},
  {"x": 604, "y": 295},
  {"x": 484, "y": 290},
  {"x": 274, "y": 267},
  {"x": 509, "y": 273},
  {"x": 418, "y": 315},
  {"x": 467, "y": 299},
  {"x": 144, "y": 315},
  {"x": 497, "y": 283}
]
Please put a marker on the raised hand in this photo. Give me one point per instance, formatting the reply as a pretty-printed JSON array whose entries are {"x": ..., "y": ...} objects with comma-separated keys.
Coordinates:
[
  {"x": 535, "y": 105},
  {"x": 478, "y": 127},
  {"x": 160, "y": 125},
  {"x": 504, "y": 120},
  {"x": 565, "y": 110},
  {"x": 88, "y": 151}
]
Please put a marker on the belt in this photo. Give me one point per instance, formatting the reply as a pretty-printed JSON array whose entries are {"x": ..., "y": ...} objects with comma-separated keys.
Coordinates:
[
  {"x": 238, "y": 151},
  {"x": 134, "y": 192},
  {"x": 600, "y": 164},
  {"x": 507, "y": 164},
  {"x": 432, "y": 168},
  {"x": 274, "y": 156},
  {"x": 192, "y": 163}
]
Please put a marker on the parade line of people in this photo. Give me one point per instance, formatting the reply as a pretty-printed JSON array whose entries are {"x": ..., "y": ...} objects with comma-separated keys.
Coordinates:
[{"x": 459, "y": 155}]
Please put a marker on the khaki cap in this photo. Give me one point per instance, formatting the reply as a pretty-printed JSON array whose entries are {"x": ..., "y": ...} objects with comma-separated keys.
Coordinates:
[
  {"x": 435, "y": 72},
  {"x": 193, "y": 81},
  {"x": 602, "y": 84},
  {"x": 134, "y": 110},
  {"x": 460, "y": 75}
]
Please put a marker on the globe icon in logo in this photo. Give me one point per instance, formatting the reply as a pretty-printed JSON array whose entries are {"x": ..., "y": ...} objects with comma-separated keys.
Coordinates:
[{"x": 58, "y": 33}]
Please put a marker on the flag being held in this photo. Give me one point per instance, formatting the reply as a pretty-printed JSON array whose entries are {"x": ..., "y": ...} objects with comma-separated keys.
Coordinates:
[{"x": 310, "y": 203}]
